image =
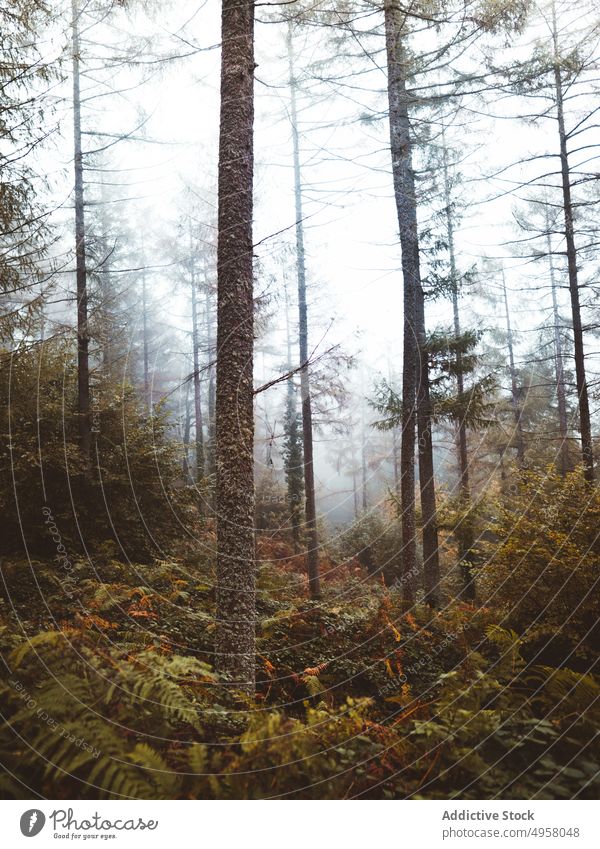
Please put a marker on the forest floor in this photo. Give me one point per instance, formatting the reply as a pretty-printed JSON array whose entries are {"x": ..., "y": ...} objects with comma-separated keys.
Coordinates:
[{"x": 108, "y": 690}]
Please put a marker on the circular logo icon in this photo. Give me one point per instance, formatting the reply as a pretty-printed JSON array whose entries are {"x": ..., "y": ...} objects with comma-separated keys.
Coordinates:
[{"x": 32, "y": 822}]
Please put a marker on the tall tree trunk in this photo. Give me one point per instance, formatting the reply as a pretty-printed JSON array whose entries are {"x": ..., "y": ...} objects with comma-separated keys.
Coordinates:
[
  {"x": 236, "y": 603},
  {"x": 404, "y": 192},
  {"x": 585, "y": 426},
  {"x": 514, "y": 389},
  {"x": 355, "y": 486},
  {"x": 312, "y": 554},
  {"x": 364, "y": 492},
  {"x": 431, "y": 556},
  {"x": 187, "y": 423},
  {"x": 294, "y": 472},
  {"x": 83, "y": 364},
  {"x": 561, "y": 395},
  {"x": 106, "y": 316},
  {"x": 363, "y": 465},
  {"x": 199, "y": 441},
  {"x": 395, "y": 446},
  {"x": 145, "y": 341},
  {"x": 464, "y": 532},
  {"x": 354, "y": 469},
  {"x": 294, "y": 447}
]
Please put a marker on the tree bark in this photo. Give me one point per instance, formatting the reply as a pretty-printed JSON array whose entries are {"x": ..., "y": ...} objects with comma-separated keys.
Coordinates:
[
  {"x": 396, "y": 463},
  {"x": 585, "y": 426},
  {"x": 210, "y": 447},
  {"x": 404, "y": 192},
  {"x": 236, "y": 604},
  {"x": 83, "y": 364},
  {"x": 312, "y": 554}
]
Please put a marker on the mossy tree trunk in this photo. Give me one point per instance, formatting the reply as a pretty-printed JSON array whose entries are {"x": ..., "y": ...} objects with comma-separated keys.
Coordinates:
[{"x": 234, "y": 504}]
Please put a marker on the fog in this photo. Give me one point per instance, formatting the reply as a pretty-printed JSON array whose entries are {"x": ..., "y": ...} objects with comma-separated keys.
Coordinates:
[{"x": 150, "y": 107}]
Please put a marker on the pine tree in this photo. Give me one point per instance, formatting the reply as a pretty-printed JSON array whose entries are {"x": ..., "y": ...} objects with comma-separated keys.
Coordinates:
[
  {"x": 83, "y": 340},
  {"x": 538, "y": 220},
  {"x": 415, "y": 383},
  {"x": 235, "y": 636},
  {"x": 464, "y": 531},
  {"x": 24, "y": 230},
  {"x": 580, "y": 371},
  {"x": 560, "y": 72},
  {"x": 310, "y": 508},
  {"x": 292, "y": 446}
]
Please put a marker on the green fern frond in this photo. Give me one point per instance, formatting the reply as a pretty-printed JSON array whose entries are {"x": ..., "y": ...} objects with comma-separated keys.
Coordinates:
[{"x": 197, "y": 758}]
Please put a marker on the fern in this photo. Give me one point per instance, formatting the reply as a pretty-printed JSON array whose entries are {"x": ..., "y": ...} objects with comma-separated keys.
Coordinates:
[
  {"x": 75, "y": 719},
  {"x": 197, "y": 758},
  {"x": 49, "y": 641},
  {"x": 576, "y": 693}
]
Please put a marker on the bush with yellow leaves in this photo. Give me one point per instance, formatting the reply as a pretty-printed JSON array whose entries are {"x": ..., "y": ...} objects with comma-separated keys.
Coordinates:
[{"x": 542, "y": 565}]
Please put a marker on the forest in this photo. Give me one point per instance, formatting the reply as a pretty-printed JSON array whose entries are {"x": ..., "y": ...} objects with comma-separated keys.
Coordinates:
[{"x": 300, "y": 399}]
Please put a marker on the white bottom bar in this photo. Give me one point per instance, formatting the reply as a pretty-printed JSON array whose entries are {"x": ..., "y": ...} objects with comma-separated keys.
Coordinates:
[{"x": 294, "y": 825}]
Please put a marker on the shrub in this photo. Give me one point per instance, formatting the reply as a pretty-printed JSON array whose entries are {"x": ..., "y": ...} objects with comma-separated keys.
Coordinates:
[
  {"x": 542, "y": 565},
  {"x": 376, "y": 543},
  {"x": 133, "y": 494}
]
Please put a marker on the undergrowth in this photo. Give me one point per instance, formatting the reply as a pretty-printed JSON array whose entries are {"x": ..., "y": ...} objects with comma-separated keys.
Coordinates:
[{"x": 108, "y": 691}]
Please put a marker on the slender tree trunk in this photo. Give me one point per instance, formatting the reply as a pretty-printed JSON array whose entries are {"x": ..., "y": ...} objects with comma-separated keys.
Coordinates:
[
  {"x": 355, "y": 488},
  {"x": 199, "y": 441},
  {"x": 294, "y": 491},
  {"x": 294, "y": 448},
  {"x": 585, "y": 426},
  {"x": 145, "y": 341},
  {"x": 404, "y": 192},
  {"x": 354, "y": 471},
  {"x": 187, "y": 423},
  {"x": 395, "y": 447},
  {"x": 502, "y": 470},
  {"x": 464, "y": 532},
  {"x": 461, "y": 428},
  {"x": 363, "y": 465},
  {"x": 312, "y": 554},
  {"x": 364, "y": 491},
  {"x": 514, "y": 389},
  {"x": 431, "y": 556},
  {"x": 83, "y": 365},
  {"x": 236, "y": 604},
  {"x": 561, "y": 395},
  {"x": 106, "y": 287}
]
